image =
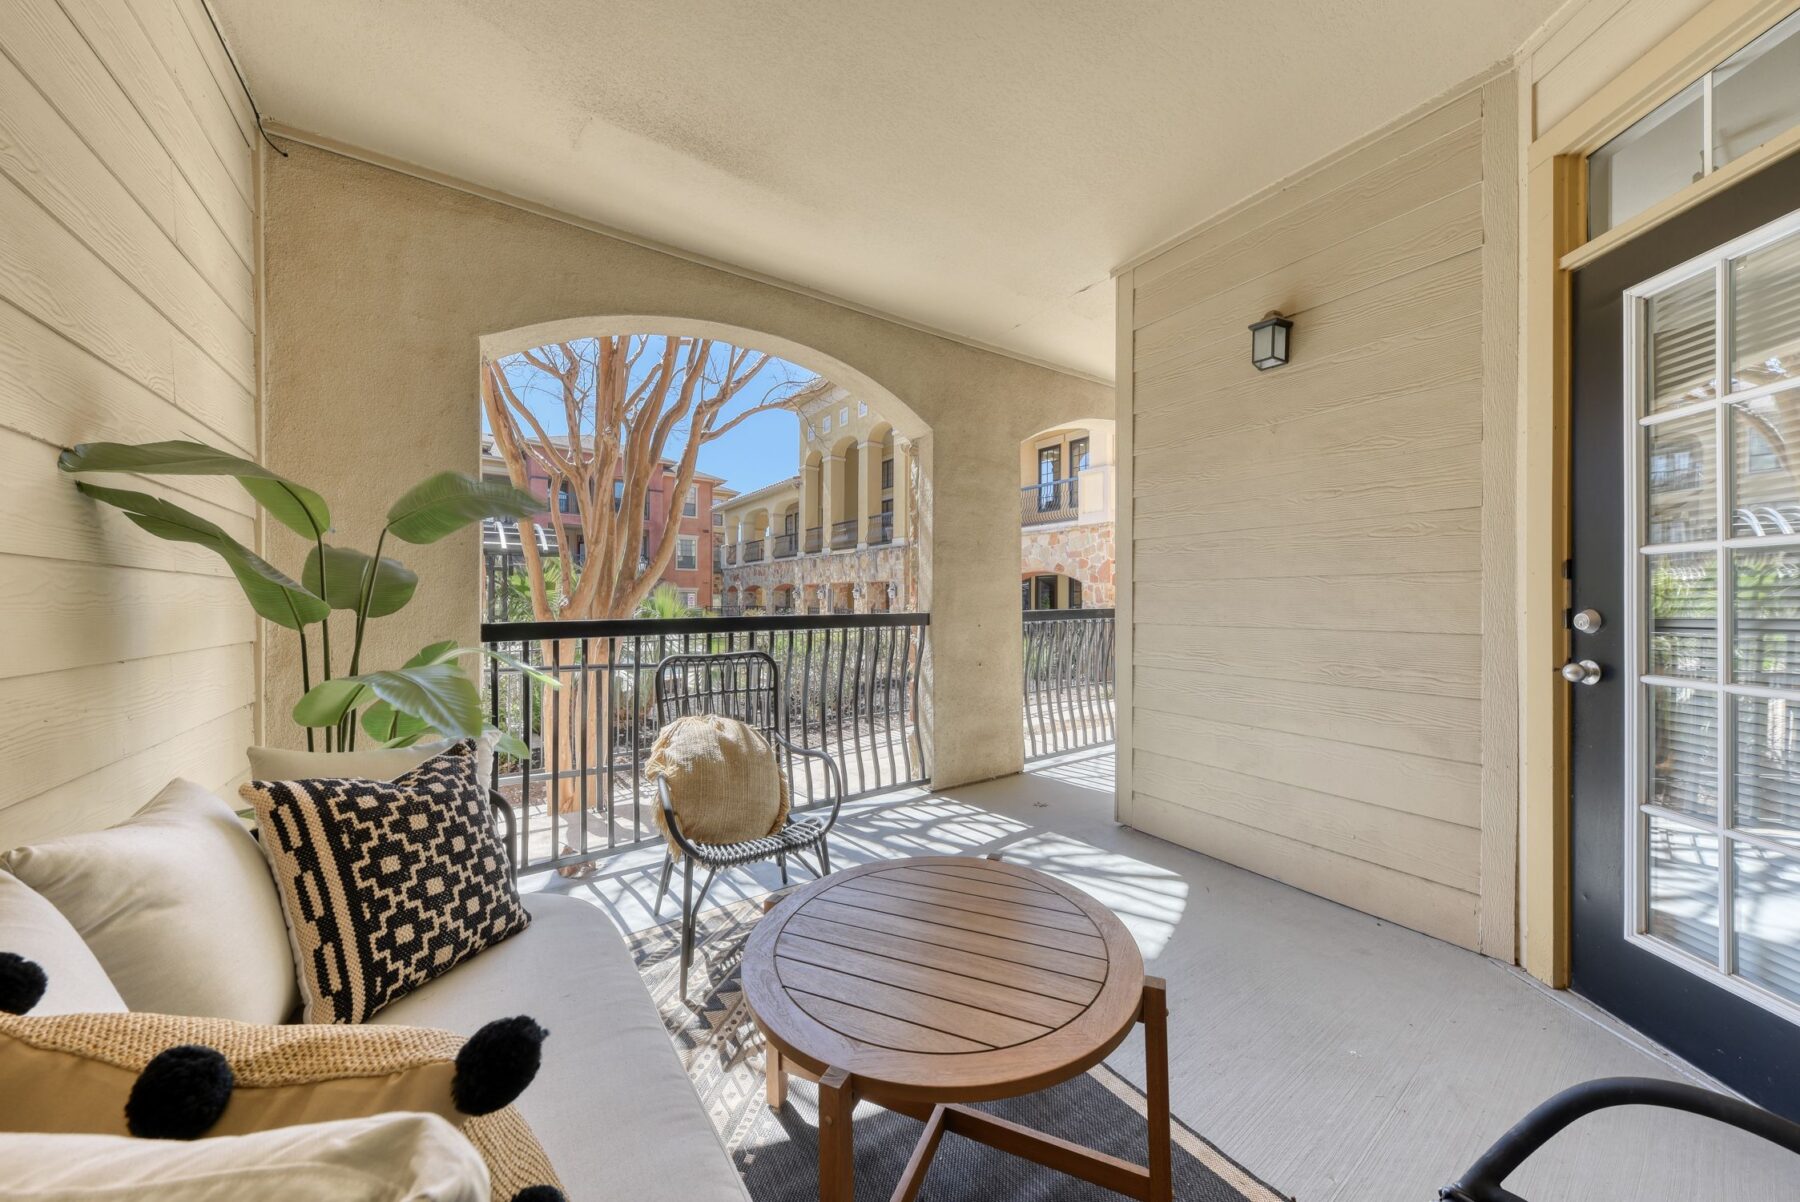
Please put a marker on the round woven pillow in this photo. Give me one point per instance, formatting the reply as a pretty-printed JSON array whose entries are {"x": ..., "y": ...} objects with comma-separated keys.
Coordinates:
[{"x": 724, "y": 780}]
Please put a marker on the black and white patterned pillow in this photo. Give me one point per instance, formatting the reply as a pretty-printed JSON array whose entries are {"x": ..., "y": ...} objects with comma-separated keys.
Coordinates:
[{"x": 384, "y": 884}]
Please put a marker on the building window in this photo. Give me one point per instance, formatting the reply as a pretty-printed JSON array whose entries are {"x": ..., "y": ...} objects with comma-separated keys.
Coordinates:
[
  {"x": 1078, "y": 455},
  {"x": 687, "y": 556},
  {"x": 718, "y": 517},
  {"x": 690, "y": 508},
  {"x": 1045, "y": 590},
  {"x": 887, "y": 473},
  {"x": 1074, "y": 594},
  {"x": 618, "y": 494},
  {"x": 844, "y": 417},
  {"x": 825, "y": 426},
  {"x": 689, "y": 598},
  {"x": 565, "y": 498}
]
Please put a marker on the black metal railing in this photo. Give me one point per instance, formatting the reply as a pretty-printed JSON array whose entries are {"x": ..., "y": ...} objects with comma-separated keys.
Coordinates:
[
  {"x": 718, "y": 558},
  {"x": 785, "y": 546},
  {"x": 731, "y": 553},
  {"x": 843, "y": 534},
  {"x": 1068, "y": 680},
  {"x": 881, "y": 529},
  {"x": 753, "y": 551},
  {"x": 1051, "y": 501},
  {"x": 815, "y": 539},
  {"x": 851, "y": 685}
]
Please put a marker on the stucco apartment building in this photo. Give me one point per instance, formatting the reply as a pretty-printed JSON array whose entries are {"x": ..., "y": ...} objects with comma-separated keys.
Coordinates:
[
  {"x": 836, "y": 536},
  {"x": 560, "y": 525}
]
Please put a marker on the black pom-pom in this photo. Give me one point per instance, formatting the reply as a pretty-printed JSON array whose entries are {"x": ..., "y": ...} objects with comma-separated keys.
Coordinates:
[
  {"x": 539, "y": 1193},
  {"x": 22, "y": 983},
  {"x": 496, "y": 1064},
  {"x": 180, "y": 1094}
]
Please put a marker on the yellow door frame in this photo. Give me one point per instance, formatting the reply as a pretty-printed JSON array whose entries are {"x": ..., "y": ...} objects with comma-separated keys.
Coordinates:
[{"x": 1555, "y": 205}]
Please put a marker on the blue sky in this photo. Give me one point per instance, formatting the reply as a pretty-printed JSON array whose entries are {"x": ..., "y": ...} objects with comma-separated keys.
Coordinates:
[{"x": 759, "y": 451}]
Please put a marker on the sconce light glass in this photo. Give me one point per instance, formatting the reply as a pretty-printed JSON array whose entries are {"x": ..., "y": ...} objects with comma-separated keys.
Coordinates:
[{"x": 1269, "y": 341}]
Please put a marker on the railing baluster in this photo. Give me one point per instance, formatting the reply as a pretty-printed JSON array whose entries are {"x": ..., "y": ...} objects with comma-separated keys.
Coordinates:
[{"x": 1067, "y": 680}]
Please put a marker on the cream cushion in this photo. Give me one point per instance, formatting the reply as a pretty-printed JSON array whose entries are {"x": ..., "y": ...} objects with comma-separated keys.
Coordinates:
[
  {"x": 377, "y": 763},
  {"x": 31, "y": 927},
  {"x": 723, "y": 778},
  {"x": 386, "y": 1158},
  {"x": 178, "y": 906}
]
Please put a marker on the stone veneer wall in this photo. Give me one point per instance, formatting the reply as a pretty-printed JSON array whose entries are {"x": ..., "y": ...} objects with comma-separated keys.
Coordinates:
[
  {"x": 872, "y": 565},
  {"x": 1083, "y": 553}
]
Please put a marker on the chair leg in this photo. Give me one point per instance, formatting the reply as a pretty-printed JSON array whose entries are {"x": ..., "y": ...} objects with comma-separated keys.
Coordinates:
[
  {"x": 781, "y": 863},
  {"x": 687, "y": 920},
  {"x": 825, "y": 856},
  {"x": 663, "y": 887}
]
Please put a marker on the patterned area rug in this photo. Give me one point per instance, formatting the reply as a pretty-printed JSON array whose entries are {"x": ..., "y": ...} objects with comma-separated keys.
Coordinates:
[{"x": 777, "y": 1152}]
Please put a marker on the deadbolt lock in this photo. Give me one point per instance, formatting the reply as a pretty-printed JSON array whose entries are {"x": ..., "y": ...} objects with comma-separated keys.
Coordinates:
[{"x": 1588, "y": 621}]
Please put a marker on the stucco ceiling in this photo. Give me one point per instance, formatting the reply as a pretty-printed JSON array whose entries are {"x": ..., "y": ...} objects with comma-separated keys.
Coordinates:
[{"x": 976, "y": 166}]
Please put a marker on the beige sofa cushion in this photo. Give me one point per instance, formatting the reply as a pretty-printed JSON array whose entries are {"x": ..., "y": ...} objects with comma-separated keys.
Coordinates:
[
  {"x": 612, "y": 1105},
  {"x": 376, "y": 763},
  {"x": 724, "y": 780},
  {"x": 386, "y": 1158},
  {"x": 31, "y": 927},
  {"x": 178, "y": 906},
  {"x": 74, "y": 1073}
]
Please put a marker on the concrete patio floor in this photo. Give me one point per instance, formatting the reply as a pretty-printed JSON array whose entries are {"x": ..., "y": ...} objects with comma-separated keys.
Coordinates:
[{"x": 1337, "y": 1056}]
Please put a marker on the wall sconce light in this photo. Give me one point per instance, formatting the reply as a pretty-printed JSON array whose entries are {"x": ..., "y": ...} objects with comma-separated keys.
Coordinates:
[{"x": 1269, "y": 341}]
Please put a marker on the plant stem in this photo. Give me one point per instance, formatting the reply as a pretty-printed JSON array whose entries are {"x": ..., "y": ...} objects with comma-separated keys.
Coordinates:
[
  {"x": 305, "y": 680},
  {"x": 362, "y": 604},
  {"x": 325, "y": 622}
]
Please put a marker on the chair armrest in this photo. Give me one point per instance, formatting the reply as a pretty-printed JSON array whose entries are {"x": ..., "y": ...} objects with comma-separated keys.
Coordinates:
[
  {"x": 510, "y": 831},
  {"x": 834, "y": 775},
  {"x": 671, "y": 823}
]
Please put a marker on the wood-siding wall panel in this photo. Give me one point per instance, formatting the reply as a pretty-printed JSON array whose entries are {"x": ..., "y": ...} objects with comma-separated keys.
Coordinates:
[
  {"x": 1416, "y": 238},
  {"x": 60, "y": 725},
  {"x": 43, "y": 156},
  {"x": 1447, "y": 728},
  {"x": 1178, "y": 346},
  {"x": 210, "y": 754},
  {"x": 1444, "y": 665},
  {"x": 1441, "y": 852},
  {"x": 1277, "y": 200},
  {"x": 127, "y": 313},
  {"x": 70, "y": 614},
  {"x": 1382, "y": 483},
  {"x": 1439, "y": 168},
  {"x": 55, "y": 391},
  {"x": 1447, "y": 790},
  {"x": 1410, "y": 544},
  {"x": 1437, "y": 910},
  {"x": 1620, "y": 40},
  {"x": 1421, "y": 603},
  {"x": 193, "y": 15},
  {"x": 120, "y": 42}
]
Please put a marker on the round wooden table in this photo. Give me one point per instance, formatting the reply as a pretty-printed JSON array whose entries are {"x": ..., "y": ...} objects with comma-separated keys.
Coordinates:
[{"x": 925, "y": 984}]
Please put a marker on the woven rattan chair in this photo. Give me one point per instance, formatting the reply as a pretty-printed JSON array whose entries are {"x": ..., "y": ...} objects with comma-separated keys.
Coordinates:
[{"x": 745, "y": 685}]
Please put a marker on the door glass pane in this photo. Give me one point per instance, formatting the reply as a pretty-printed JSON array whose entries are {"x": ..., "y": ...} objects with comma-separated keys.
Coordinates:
[
  {"x": 1684, "y": 887},
  {"x": 1766, "y": 771},
  {"x": 1756, "y": 92},
  {"x": 1684, "y": 607},
  {"x": 1657, "y": 157},
  {"x": 1679, "y": 479},
  {"x": 1765, "y": 315},
  {"x": 1766, "y": 918},
  {"x": 1684, "y": 750},
  {"x": 1765, "y": 606},
  {"x": 1765, "y": 450},
  {"x": 1683, "y": 357}
]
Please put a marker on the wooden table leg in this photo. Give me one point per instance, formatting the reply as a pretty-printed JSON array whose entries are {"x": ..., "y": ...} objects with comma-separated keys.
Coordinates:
[
  {"x": 837, "y": 1157},
  {"x": 1155, "y": 1017},
  {"x": 774, "y": 1076}
]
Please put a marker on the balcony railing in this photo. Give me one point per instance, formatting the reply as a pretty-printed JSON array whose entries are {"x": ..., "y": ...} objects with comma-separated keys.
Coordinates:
[
  {"x": 881, "y": 529},
  {"x": 1051, "y": 501},
  {"x": 850, "y": 687},
  {"x": 815, "y": 539},
  {"x": 843, "y": 534},
  {"x": 753, "y": 551},
  {"x": 731, "y": 554},
  {"x": 786, "y": 546},
  {"x": 1068, "y": 680}
]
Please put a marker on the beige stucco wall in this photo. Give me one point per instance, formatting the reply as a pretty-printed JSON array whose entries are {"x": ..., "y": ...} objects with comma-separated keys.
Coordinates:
[{"x": 380, "y": 286}]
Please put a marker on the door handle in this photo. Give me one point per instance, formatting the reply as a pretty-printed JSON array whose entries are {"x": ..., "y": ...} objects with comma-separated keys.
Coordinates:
[{"x": 1581, "y": 671}]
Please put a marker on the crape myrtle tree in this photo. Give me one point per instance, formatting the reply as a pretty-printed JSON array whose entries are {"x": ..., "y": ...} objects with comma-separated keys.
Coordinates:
[{"x": 600, "y": 417}]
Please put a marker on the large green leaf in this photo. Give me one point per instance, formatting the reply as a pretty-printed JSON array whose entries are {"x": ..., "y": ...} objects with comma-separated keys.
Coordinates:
[
  {"x": 271, "y": 593},
  {"x": 440, "y": 695},
  {"x": 446, "y": 651},
  {"x": 298, "y": 508},
  {"x": 344, "y": 573},
  {"x": 449, "y": 501},
  {"x": 391, "y": 728}
]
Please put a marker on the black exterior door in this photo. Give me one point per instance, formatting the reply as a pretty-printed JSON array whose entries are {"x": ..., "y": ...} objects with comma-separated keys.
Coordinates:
[{"x": 1686, "y": 849}]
